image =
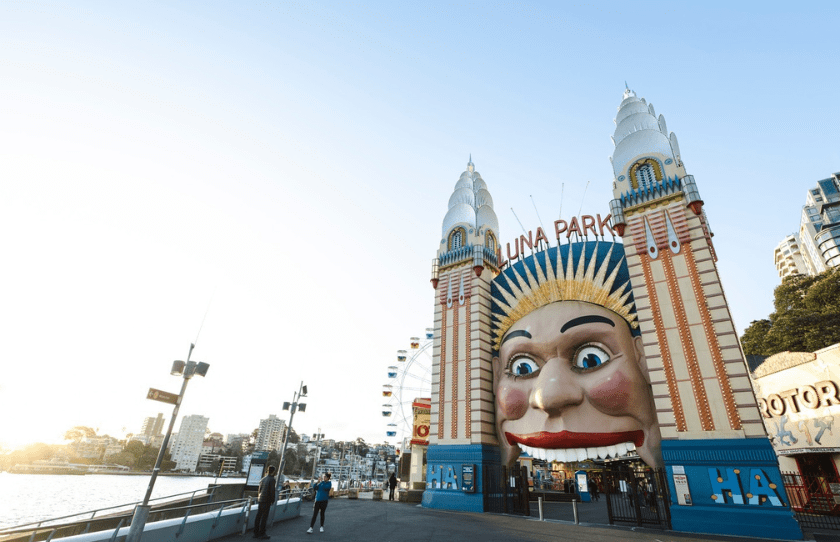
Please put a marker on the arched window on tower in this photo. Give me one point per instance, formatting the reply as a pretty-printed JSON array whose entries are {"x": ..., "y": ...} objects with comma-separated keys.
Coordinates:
[
  {"x": 645, "y": 173},
  {"x": 490, "y": 240},
  {"x": 646, "y": 176},
  {"x": 456, "y": 238}
]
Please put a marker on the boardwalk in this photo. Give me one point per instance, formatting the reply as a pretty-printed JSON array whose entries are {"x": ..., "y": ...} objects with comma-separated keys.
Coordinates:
[{"x": 382, "y": 521}]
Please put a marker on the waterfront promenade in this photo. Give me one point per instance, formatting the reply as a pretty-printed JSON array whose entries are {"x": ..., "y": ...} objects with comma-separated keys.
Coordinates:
[{"x": 365, "y": 520}]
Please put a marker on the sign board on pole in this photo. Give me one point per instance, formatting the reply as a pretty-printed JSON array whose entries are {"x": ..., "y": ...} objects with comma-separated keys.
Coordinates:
[{"x": 162, "y": 396}]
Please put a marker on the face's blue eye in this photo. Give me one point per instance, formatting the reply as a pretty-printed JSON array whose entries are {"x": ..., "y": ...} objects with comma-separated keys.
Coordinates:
[
  {"x": 523, "y": 367},
  {"x": 590, "y": 357}
]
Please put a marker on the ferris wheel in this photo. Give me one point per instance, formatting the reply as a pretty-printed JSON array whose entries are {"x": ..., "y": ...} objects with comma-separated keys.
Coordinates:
[{"x": 410, "y": 378}]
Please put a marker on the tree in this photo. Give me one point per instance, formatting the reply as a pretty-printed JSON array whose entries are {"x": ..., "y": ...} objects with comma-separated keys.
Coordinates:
[
  {"x": 807, "y": 316},
  {"x": 78, "y": 433}
]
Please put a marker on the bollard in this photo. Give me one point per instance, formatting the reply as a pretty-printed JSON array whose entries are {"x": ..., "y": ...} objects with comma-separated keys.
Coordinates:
[
  {"x": 574, "y": 509},
  {"x": 539, "y": 503}
]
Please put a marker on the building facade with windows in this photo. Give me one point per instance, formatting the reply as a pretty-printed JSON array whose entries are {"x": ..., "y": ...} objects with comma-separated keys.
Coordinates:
[
  {"x": 187, "y": 445},
  {"x": 270, "y": 434},
  {"x": 818, "y": 240},
  {"x": 788, "y": 257}
]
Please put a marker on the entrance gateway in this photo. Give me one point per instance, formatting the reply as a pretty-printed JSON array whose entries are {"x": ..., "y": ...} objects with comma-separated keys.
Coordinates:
[{"x": 570, "y": 346}]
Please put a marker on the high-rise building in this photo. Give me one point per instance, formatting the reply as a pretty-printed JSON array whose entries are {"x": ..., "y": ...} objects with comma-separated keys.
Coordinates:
[
  {"x": 151, "y": 427},
  {"x": 186, "y": 446},
  {"x": 788, "y": 258},
  {"x": 817, "y": 244},
  {"x": 270, "y": 434}
]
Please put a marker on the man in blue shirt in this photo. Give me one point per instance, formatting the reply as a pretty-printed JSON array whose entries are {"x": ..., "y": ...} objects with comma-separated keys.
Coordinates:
[{"x": 322, "y": 496}]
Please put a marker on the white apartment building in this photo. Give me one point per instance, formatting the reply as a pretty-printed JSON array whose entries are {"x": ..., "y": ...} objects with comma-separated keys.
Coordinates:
[
  {"x": 270, "y": 434},
  {"x": 788, "y": 258},
  {"x": 186, "y": 446},
  {"x": 818, "y": 240}
]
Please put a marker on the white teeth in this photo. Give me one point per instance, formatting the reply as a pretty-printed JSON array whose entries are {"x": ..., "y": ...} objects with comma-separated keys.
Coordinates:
[{"x": 564, "y": 455}]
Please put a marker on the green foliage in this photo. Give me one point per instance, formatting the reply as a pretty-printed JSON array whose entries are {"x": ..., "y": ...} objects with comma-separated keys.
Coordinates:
[
  {"x": 807, "y": 317},
  {"x": 78, "y": 433}
]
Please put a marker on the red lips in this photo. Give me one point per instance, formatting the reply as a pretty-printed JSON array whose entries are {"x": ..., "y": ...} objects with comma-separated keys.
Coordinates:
[{"x": 570, "y": 439}]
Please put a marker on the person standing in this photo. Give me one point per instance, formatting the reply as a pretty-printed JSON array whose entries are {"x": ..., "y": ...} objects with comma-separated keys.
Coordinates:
[
  {"x": 322, "y": 496},
  {"x": 265, "y": 498},
  {"x": 392, "y": 484}
]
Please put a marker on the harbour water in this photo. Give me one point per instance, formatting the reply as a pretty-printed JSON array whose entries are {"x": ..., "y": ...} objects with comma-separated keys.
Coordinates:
[{"x": 26, "y": 498}]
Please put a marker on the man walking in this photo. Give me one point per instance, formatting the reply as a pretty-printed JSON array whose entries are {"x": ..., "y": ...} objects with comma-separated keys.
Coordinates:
[
  {"x": 392, "y": 484},
  {"x": 265, "y": 498},
  {"x": 322, "y": 496}
]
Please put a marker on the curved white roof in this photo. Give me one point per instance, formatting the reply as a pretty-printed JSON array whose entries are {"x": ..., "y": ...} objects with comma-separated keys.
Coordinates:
[
  {"x": 462, "y": 195},
  {"x": 482, "y": 197},
  {"x": 460, "y": 213}
]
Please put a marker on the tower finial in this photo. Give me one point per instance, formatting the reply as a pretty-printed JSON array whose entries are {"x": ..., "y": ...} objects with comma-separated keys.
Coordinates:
[{"x": 625, "y": 86}]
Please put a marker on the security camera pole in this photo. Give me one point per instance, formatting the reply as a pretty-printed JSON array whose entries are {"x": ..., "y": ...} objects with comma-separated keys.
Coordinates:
[{"x": 188, "y": 369}]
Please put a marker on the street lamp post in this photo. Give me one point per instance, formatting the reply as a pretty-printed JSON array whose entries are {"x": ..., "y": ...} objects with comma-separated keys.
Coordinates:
[
  {"x": 187, "y": 369},
  {"x": 293, "y": 406}
]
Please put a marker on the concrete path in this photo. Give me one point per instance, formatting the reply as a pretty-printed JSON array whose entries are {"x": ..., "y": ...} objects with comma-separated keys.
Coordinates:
[{"x": 365, "y": 520}]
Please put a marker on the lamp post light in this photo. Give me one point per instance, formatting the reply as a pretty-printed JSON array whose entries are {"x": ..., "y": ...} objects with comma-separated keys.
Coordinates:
[
  {"x": 293, "y": 406},
  {"x": 187, "y": 369}
]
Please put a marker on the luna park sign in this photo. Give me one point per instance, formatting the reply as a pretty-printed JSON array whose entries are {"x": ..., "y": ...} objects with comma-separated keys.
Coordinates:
[{"x": 580, "y": 226}]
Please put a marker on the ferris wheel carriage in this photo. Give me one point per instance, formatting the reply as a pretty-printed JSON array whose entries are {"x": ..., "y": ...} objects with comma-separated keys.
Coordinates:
[{"x": 409, "y": 379}]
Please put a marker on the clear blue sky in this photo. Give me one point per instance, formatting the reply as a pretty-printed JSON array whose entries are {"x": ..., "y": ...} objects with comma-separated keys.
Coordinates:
[{"x": 288, "y": 165}]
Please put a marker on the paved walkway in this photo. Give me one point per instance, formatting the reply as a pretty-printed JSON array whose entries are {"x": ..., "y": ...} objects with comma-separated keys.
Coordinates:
[{"x": 365, "y": 520}]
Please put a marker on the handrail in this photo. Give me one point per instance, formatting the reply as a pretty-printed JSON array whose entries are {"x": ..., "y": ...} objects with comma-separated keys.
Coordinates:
[{"x": 38, "y": 524}]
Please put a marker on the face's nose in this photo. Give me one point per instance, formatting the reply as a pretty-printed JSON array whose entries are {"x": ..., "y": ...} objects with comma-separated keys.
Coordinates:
[{"x": 556, "y": 388}]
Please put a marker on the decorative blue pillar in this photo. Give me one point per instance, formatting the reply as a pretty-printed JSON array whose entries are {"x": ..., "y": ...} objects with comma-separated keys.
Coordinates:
[
  {"x": 728, "y": 487},
  {"x": 445, "y": 470}
]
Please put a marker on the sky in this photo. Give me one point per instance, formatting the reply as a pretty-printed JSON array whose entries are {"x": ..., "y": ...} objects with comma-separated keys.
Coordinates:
[{"x": 268, "y": 180}]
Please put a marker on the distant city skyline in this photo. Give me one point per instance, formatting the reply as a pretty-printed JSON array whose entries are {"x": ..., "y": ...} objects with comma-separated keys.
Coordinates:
[{"x": 267, "y": 181}]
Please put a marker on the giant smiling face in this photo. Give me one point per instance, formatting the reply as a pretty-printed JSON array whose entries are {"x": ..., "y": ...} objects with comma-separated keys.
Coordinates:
[{"x": 571, "y": 384}]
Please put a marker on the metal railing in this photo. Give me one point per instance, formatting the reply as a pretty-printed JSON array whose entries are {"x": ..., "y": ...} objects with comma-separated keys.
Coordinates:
[
  {"x": 120, "y": 512},
  {"x": 39, "y": 530},
  {"x": 814, "y": 499}
]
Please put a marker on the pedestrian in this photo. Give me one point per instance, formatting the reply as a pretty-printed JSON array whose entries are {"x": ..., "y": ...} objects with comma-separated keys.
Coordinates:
[
  {"x": 322, "y": 496},
  {"x": 593, "y": 489},
  {"x": 392, "y": 483},
  {"x": 265, "y": 498}
]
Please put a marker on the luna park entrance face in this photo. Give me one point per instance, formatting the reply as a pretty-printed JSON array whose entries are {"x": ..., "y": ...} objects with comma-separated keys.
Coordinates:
[{"x": 636, "y": 495}]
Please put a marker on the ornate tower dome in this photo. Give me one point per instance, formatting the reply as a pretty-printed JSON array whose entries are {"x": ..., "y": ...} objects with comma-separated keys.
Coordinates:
[
  {"x": 470, "y": 228},
  {"x": 470, "y": 204}
]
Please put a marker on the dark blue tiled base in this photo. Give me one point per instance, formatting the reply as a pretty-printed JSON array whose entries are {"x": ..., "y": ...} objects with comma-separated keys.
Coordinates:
[
  {"x": 444, "y": 484},
  {"x": 735, "y": 489}
]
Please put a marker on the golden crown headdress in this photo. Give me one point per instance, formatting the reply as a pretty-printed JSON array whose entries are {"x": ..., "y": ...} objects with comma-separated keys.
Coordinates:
[{"x": 518, "y": 291}]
